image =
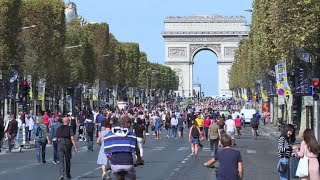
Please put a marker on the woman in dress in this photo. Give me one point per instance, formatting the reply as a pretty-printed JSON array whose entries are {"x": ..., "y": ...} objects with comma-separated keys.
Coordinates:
[
  {"x": 102, "y": 158},
  {"x": 310, "y": 147}
]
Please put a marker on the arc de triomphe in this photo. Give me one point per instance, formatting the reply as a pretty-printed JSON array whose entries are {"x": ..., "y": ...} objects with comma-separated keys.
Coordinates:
[{"x": 185, "y": 36}]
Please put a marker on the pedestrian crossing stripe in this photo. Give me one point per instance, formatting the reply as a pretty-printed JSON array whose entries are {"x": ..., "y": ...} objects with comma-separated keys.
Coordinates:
[
  {"x": 206, "y": 149},
  {"x": 158, "y": 148},
  {"x": 183, "y": 148}
]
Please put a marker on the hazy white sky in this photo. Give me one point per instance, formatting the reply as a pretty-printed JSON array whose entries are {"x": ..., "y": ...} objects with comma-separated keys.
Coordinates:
[{"x": 141, "y": 21}]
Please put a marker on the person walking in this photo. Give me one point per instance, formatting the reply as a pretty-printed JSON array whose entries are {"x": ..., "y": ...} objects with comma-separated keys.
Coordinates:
[
  {"x": 238, "y": 124},
  {"x": 102, "y": 158},
  {"x": 174, "y": 126},
  {"x": 310, "y": 148},
  {"x": 200, "y": 123},
  {"x": 66, "y": 140},
  {"x": 230, "y": 127},
  {"x": 42, "y": 138},
  {"x": 53, "y": 138},
  {"x": 140, "y": 132},
  {"x": 194, "y": 138},
  {"x": 11, "y": 132},
  {"x": 284, "y": 152},
  {"x": 157, "y": 125},
  {"x": 213, "y": 138},
  {"x": 230, "y": 161},
  {"x": 207, "y": 122},
  {"x": 181, "y": 124},
  {"x": 89, "y": 133},
  {"x": 167, "y": 125},
  {"x": 27, "y": 121}
]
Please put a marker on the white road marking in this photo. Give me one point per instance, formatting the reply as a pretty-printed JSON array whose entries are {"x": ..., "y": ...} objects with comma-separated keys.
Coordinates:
[
  {"x": 183, "y": 148},
  {"x": 87, "y": 173},
  {"x": 206, "y": 149},
  {"x": 158, "y": 148},
  {"x": 251, "y": 151}
]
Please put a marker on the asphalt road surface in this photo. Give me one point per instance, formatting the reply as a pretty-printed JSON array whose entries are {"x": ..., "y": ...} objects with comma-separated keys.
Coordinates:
[{"x": 165, "y": 159}]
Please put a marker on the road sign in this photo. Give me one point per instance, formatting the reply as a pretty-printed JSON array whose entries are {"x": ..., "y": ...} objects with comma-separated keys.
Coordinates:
[
  {"x": 307, "y": 101},
  {"x": 281, "y": 100},
  {"x": 281, "y": 92}
]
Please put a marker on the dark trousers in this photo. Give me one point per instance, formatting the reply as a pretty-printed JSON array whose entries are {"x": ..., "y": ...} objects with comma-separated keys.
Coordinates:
[
  {"x": 11, "y": 141},
  {"x": 64, "y": 159},
  {"x": 55, "y": 151},
  {"x": 214, "y": 146},
  {"x": 41, "y": 144},
  {"x": 147, "y": 127},
  {"x": 28, "y": 134},
  {"x": 90, "y": 141},
  {"x": 180, "y": 129},
  {"x": 206, "y": 133}
]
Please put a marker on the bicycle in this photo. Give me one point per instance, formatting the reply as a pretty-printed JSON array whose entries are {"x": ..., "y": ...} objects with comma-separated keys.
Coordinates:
[{"x": 121, "y": 175}]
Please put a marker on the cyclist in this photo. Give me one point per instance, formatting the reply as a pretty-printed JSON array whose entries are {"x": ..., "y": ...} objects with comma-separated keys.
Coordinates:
[
  {"x": 119, "y": 145},
  {"x": 254, "y": 123}
]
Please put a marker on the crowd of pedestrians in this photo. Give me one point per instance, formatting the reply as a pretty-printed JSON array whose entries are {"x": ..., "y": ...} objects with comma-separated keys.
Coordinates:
[{"x": 121, "y": 133}]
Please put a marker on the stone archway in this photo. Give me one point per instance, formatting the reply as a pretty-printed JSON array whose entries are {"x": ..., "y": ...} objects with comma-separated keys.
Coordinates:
[{"x": 186, "y": 36}]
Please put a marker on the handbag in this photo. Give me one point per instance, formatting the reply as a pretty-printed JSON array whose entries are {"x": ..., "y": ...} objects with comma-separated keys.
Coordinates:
[
  {"x": 303, "y": 166},
  {"x": 283, "y": 167},
  {"x": 153, "y": 128}
]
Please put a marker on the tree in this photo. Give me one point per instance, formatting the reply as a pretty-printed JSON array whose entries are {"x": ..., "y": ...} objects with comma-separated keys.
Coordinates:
[{"x": 10, "y": 49}]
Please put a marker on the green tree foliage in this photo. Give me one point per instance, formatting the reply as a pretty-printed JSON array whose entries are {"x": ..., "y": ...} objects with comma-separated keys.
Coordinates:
[
  {"x": 131, "y": 63},
  {"x": 99, "y": 37},
  {"x": 43, "y": 44},
  {"x": 277, "y": 28},
  {"x": 9, "y": 34}
]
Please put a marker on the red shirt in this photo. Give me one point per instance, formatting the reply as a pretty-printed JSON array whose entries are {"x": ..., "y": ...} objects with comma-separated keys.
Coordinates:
[
  {"x": 238, "y": 122},
  {"x": 45, "y": 119},
  {"x": 207, "y": 123}
]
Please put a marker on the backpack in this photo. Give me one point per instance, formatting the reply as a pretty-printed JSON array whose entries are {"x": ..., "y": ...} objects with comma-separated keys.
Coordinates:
[
  {"x": 40, "y": 132},
  {"x": 195, "y": 132},
  {"x": 90, "y": 127}
]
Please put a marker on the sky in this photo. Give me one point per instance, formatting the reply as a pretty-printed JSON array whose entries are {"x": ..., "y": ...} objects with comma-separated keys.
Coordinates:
[{"x": 141, "y": 21}]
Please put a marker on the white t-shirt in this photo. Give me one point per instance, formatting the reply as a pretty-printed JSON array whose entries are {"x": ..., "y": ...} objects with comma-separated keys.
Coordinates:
[
  {"x": 163, "y": 117},
  {"x": 230, "y": 123}
]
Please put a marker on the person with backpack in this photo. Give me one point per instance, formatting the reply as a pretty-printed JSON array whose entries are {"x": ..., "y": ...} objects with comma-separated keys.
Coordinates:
[
  {"x": 42, "y": 138},
  {"x": 194, "y": 137},
  {"x": 89, "y": 133},
  {"x": 53, "y": 138}
]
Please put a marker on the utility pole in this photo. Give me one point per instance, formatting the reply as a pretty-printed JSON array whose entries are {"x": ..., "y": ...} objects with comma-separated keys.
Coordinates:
[{"x": 316, "y": 91}]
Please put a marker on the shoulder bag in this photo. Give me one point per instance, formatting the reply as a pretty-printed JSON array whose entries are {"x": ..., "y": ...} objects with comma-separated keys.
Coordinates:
[{"x": 303, "y": 166}]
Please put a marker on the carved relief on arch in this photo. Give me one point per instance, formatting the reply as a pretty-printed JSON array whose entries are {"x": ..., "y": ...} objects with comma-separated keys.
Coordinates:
[
  {"x": 179, "y": 73},
  {"x": 194, "y": 48}
]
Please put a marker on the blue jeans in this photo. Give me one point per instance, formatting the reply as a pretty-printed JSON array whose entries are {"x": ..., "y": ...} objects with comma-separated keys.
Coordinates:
[
  {"x": 168, "y": 132},
  {"x": 90, "y": 141},
  {"x": 285, "y": 175},
  {"x": 41, "y": 143},
  {"x": 174, "y": 131},
  {"x": 16, "y": 141}
]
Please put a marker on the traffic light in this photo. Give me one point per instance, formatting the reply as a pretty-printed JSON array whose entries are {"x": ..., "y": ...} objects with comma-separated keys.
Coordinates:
[
  {"x": 25, "y": 89},
  {"x": 316, "y": 89}
]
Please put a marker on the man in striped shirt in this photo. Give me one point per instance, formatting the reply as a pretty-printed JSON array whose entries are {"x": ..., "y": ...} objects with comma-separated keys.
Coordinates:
[{"x": 119, "y": 145}]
